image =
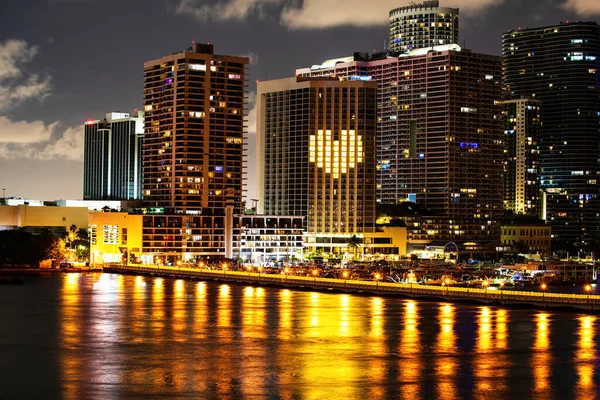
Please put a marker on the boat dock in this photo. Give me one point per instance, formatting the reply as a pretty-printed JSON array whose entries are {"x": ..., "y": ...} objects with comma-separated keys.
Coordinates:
[{"x": 544, "y": 299}]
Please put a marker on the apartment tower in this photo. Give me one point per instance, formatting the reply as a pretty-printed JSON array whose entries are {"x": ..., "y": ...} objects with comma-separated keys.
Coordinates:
[
  {"x": 192, "y": 151},
  {"x": 439, "y": 134},
  {"x": 194, "y": 130},
  {"x": 522, "y": 156},
  {"x": 560, "y": 66},
  {"x": 423, "y": 24}
]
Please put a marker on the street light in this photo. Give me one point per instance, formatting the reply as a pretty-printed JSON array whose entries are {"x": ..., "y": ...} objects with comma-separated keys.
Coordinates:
[
  {"x": 588, "y": 289},
  {"x": 485, "y": 286},
  {"x": 544, "y": 287}
]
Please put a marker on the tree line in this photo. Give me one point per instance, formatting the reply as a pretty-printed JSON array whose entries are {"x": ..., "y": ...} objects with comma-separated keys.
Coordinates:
[{"x": 20, "y": 248}]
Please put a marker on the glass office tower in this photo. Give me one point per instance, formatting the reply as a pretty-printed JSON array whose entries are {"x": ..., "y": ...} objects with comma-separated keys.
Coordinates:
[{"x": 559, "y": 66}]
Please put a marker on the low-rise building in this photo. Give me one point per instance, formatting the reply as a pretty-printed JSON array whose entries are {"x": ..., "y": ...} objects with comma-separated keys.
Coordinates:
[
  {"x": 113, "y": 234},
  {"x": 267, "y": 238},
  {"x": 36, "y": 218},
  {"x": 527, "y": 236}
]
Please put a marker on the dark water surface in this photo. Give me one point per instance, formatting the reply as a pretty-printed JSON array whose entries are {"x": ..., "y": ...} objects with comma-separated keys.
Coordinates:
[{"x": 105, "y": 336}]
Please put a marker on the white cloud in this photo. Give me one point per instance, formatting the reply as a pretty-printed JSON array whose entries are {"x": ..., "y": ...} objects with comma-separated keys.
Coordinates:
[
  {"x": 311, "y": 14},
  {"x": 68, "y": 146},
  {"x": 16, "y": 84},
  {"x": 23, "y": 132},
  {"x": 583, "y": 7},
  {"x": 40, "y": 141},
  {"x": 12, "y": 54},
  {"x": 30, "y": 139},
  {"x": 330, "y": 13},
  {"x": 252, "y": 56},
  {"x": 222, "y": 10},
  {"x": 251, "y": 119},
  {"x": 251, "y": 156}
]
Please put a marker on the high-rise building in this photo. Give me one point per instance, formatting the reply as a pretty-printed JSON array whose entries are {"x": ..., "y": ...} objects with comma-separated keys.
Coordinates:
[
  {"x": 439, "y": 134},
  {"x": 192, "y": 152},
  {"x": 194, "y": 131},
  {"x": 316, "y": 141},
  {"x": 521, "y": 156},
  {"x": 420, "y": 25},
  {"x": 112, "y": 157},
  {"x": 560, "y": 66}
]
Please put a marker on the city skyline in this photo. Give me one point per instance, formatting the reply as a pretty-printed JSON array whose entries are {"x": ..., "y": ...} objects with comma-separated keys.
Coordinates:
[{"x": 55, "y": 75}]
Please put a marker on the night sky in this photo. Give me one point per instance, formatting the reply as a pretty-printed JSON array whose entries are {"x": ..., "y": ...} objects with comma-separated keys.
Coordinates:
[{"x": 66, "y": 61}]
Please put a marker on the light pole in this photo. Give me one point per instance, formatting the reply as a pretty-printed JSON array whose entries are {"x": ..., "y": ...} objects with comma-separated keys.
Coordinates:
[{"x": 3, "y": 196}]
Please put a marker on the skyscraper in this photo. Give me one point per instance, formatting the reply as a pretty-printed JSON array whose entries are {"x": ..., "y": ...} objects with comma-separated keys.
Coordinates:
[
  {"x": 424, "y": 24},
  {"x": 560, "y": 66},
  {"x": 194, "y": 131},
  {"x": 439, "y": 134},
  {"x": 112, "y": 155},
  {"x": 192, "y": 152},
  {"x": 316, "y": 143},
  {"x": 521, "y": 156}
]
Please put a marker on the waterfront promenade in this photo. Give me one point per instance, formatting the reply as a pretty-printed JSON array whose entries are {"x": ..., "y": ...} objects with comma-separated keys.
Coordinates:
[{"x": 508, "y": 297}]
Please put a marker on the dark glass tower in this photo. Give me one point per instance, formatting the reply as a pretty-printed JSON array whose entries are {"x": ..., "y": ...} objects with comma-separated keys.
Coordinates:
[
  {"x": 559, "y": 66},
  {"x": 317, "y": 146},
  {"x": 112, "y": 167}
]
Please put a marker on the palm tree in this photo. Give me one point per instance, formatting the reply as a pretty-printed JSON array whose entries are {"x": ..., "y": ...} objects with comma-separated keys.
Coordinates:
[
  {"x": 353, "y": 243},
  {"x": 72, "y": 234}
]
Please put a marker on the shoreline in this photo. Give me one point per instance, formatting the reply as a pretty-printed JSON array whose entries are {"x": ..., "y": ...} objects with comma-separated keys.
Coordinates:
[{"x": 541, "y": 300}]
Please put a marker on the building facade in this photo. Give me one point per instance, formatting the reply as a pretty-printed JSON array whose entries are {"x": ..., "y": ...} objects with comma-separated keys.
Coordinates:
[
  {"x": 559, "y": 66},
  {"x": 192, "y": 154},
  {"x": 439, "y": 134},
  {"x": 270, "y": 239},
  {"x": 112, "y": 162},
  {"x": 194, "y": 130},
  {"x": 521, "y": 156},
  {"x": 316, "y": 138},
  {"x": 37, "y": 218},
  {"x": 115, "y": 236},
  {"x": 527, "y": 238},
  {"x": 420, "y": 25}
]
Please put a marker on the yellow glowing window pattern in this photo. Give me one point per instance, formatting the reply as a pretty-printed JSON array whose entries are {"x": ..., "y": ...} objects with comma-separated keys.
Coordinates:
[{"x": 335, "y": 156}]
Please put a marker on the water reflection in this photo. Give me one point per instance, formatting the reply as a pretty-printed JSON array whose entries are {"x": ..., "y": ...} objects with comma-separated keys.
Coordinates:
[
  {"x": 376, "y": 349},
  {"x": 446, "y": 361},
  {"x": 410, "y": 352},
  {"x": 155, "y": 337},
  {"x": 585, "y": 358},
  {"x": 491, "y": 364},
  {"x": 541, "y": 359},
  {"x": 70, "y": 324}
]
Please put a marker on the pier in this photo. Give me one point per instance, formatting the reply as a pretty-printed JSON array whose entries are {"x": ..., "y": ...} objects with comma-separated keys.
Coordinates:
[{"x": 544, "y": 299}]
